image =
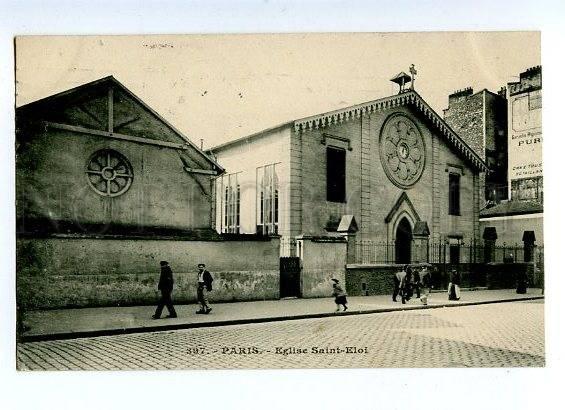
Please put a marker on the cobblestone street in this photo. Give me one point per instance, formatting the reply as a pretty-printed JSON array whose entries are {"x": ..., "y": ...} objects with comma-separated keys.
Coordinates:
[{"x": 495, "y": 335}]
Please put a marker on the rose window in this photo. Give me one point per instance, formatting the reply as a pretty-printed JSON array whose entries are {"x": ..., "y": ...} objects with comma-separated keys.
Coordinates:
[
  {"x": 402, "y": 151},
  {"x": 109, "y": 173}
]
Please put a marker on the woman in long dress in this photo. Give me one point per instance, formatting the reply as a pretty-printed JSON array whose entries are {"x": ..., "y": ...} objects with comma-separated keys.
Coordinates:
[
  {"x": 340, "y": 295},
  {"x": 454, "y": 282}
]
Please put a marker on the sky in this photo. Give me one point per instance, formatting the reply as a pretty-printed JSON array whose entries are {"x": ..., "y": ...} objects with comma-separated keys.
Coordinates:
[{"x": 221, "y": 87}]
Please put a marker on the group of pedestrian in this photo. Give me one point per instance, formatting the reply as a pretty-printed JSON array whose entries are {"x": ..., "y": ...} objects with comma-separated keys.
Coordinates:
[
  {"x": 165, "y": 286},
  {"x": 408, "y": 280},
  {"x": 414, "y": 279}
]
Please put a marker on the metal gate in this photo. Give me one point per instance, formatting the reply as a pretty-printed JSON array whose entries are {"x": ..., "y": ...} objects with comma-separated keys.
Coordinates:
[{"x": 289, "y": 277}]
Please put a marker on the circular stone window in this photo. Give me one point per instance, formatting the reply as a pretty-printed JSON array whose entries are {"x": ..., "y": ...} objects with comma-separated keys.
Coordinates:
[
  {"x": 402, "y": 150},
  {"x": 109, "y": 173}
]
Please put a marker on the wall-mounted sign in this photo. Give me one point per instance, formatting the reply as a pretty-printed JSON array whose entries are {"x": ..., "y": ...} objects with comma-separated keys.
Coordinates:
[{"x": 525, "y": 137}]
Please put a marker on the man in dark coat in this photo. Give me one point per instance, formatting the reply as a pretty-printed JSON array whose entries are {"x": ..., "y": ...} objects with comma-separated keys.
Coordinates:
[
  {"x": 402, "y": 284},
  {"x": 204, "y": 286},
  {"x": 166, "y": 287}
]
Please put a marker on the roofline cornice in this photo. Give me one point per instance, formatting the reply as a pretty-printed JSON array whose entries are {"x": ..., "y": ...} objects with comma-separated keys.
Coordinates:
[
  {"x": 112, "y": 80},
  {"x": 248, "y": 138},
  {"x": 407, "y": 98}
]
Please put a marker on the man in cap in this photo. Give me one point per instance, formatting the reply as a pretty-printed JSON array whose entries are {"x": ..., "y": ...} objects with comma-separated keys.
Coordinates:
[
  {"x": 166, "y": 287},
  {"x": 204, "y": 286}
]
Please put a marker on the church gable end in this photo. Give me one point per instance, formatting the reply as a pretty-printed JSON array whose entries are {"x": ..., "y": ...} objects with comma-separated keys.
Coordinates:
[
  {"x": 106, "y": 108},
  {"x": 409, "y": 99}
]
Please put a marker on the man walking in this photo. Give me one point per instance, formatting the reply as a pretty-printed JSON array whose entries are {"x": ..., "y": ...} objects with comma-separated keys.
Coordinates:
[
  {"x": 166, "y": 287},
  {"x": 402, "y": 284},
  {"x": 204, "y": 286}
]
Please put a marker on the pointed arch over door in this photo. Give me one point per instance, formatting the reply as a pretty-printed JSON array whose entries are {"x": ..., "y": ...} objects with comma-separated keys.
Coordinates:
[
  {"x": 400, "y": 223},
  {"x": 403, "y": 242}
]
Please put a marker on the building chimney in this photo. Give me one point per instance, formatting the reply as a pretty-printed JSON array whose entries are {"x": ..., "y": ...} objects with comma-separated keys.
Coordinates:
[{"x": 460, "y": 95}]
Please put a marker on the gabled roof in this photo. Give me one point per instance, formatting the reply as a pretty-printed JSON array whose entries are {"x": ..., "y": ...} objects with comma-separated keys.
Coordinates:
[
  {"x": 512, "y": 208},
  {"x": 411, "y": 98},
  {"x": 101, "y": 83},
  {"x": 348, "y": 224}
]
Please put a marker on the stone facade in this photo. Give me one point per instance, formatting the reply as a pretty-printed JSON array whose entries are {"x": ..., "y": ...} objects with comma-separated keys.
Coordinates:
[
  {"x": 106, "y": 188},
  {"x": 480, "y": 119},
  {"x": 505, "y": 129},
  {"x": 377, "y": 201},
  {"x": 69, "y": 177},
  {"x": 375, "y": 196}
]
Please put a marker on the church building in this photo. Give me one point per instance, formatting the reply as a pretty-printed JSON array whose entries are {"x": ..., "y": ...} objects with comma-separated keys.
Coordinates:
[
  {"x": 105, "y": 189},
  {"x": 388, "y": 170},
  {"x": 97, "y": 160}
]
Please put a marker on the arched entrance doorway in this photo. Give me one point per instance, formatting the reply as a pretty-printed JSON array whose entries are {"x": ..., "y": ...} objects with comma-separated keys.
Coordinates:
[{"x": 403, "y": 242}]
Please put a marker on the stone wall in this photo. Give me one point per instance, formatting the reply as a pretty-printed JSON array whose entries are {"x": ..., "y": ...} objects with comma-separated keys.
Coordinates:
[
  {"x": 51, "y": 184},
  {"x": 506, "y": 275},
  {"x": 367, "y": 280},
  {"x": 75, "y": 272},
  {"x": 322, "y": 260},
  {"x": 465, "y": 116}
]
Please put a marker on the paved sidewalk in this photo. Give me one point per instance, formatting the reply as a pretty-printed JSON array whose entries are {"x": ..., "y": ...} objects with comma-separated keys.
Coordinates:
[{"x": 87, "y": 322}]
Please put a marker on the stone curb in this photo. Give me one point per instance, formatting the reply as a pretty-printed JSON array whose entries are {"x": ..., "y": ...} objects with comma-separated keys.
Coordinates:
[{"x": 181, "y": 326}]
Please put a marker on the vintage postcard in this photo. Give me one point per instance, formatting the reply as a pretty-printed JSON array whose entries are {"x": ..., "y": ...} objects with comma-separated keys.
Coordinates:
[{"x": 275, "y": 201}]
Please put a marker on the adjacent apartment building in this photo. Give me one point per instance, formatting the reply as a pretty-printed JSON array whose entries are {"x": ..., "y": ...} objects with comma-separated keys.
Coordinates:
[
  {"x": 480, "y": 119},
  {"x": 505, "y": 130}
]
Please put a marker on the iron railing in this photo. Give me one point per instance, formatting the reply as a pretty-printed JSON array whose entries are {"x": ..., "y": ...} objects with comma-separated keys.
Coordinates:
[{"x": 381, "y": 252}]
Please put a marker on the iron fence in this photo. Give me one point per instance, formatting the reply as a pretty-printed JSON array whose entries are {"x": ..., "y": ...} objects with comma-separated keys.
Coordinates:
[{"x": 382, "y": 252}]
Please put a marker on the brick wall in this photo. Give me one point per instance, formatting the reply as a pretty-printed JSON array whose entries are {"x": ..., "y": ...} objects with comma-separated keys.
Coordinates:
[{"x": 481, "y": 121}]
